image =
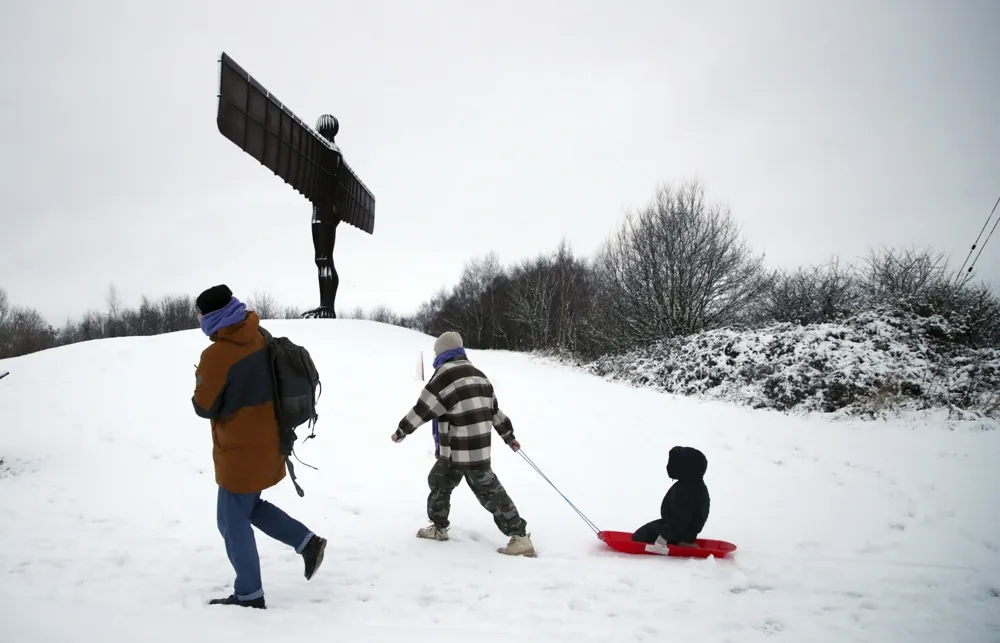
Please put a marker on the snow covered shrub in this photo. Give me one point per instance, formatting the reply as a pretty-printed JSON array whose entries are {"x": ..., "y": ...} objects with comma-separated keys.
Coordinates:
[{"x": 868, "y": 365}]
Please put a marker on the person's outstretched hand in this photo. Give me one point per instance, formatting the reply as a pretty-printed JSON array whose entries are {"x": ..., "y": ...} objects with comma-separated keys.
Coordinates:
[
  {"x": 397, "y": 437},
  {"x": 515, "y": 446}
]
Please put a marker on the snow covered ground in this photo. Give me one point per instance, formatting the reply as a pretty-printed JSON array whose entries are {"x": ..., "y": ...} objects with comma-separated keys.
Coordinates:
[{"x": 847, "y": 531}]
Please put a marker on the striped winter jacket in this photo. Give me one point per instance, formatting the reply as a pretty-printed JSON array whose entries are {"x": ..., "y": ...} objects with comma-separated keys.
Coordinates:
[{"x": 461, "y": 398}]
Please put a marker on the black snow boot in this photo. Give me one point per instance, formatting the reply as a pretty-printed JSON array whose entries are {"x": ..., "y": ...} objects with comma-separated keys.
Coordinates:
[
  {"x": 312, "y": 554},
  {"x": 232, "y": 600}
]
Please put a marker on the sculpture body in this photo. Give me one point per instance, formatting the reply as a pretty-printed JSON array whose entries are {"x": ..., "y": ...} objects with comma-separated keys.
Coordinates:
[{"x": 308, "y": 160}]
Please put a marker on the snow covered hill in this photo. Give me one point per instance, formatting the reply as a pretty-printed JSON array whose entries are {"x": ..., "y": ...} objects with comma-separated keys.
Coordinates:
[
  {"x": 874, "y": 364},
  {"x": 846, "y": 532}
]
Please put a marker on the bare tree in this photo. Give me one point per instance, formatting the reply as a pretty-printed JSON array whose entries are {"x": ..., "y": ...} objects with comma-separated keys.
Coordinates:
[
  {"x": 427, "y": 317},
  {"x": 7, "y": 344},
  {"x": 473, "y": 300},
  {"x": 356, "y": 313},
  {"x": 533, "y": 291},
  {"x": 114, "y": 321},
  {"x": 149, "y": 318},
  {"x": 24, "y": 331},
  {"x": 811, "y": 295},
  {"x": 4, "y": 306},
  {"x": 573, "y": 303},
  {"x": 178, "y": 313},
  {"x": 551, "y": 301},
  {"x": 677, "y": 267},
  {"x": 383, "y": 314},
  {"x": 93, "y": 326},
  {"x": 264, "y": 304},
  {"x": 892, "y": 276}
]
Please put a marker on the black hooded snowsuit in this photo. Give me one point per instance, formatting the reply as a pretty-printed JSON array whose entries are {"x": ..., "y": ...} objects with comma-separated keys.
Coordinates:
[{"x": 684, "y": 510}]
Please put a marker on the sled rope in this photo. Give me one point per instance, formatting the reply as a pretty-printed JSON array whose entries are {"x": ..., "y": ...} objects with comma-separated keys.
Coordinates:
[{"x": 578, "y": 512}]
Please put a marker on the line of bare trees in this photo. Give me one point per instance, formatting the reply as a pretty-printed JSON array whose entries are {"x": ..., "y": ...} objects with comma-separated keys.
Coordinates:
[
  {"x": 24, "y": 330},
  {"x": 679, "y": 266},
  {"x": 676, "y": 267}
]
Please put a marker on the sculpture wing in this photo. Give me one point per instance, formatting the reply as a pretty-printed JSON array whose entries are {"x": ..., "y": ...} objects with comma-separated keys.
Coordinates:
[{"x": 259, "y": 124}]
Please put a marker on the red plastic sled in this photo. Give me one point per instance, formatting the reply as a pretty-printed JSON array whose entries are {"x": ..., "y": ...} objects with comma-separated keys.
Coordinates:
[{"x": 622, "y": 541}]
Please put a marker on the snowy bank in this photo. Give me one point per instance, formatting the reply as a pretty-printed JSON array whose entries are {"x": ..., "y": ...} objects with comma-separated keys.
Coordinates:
[
  {"x": 108, "y": 531},
  {"x": 872, "y": 365}
]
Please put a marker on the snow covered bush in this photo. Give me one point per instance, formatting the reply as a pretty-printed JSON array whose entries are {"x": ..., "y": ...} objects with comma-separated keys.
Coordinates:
[{"x": 869, "y": 365}]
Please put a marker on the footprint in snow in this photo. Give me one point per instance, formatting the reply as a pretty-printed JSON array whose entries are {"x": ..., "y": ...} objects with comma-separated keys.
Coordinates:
[
  {"x": 750, "y": 588},
  {"x": 871, "y": 549},
  {"x": 771, "y": 626}
]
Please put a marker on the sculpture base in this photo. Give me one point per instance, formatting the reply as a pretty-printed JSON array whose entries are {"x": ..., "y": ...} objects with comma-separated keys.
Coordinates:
[{"x": 320, "y": 313}]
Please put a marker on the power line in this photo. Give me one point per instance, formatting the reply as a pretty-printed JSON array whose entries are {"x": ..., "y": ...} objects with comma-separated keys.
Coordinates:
[
  {"x": 973, "y": 265},
  {"x": 973, "y": 249}
]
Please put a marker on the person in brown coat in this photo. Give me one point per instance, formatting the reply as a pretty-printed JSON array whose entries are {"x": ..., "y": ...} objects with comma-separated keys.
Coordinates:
[{"x": 235, "y": 392}]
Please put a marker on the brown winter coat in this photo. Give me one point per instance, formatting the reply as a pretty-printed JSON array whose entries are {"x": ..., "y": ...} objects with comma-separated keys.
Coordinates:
[{"x": 233, "y": 389}]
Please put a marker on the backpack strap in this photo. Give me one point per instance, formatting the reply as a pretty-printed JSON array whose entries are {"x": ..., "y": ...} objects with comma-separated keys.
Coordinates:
[
  {"x": 291, "y": 467},
  {"x": 291, "y": 474}
]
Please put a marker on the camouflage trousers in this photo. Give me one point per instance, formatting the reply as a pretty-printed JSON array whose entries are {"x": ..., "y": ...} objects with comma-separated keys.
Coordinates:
[{"x": 443, "y": 479}]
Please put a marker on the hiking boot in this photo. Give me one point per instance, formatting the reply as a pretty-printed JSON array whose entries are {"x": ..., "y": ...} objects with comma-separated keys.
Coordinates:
[
  {"x": 519, "y": 546},
  {"x": 232, "y": 600},
  {"x": 312, "y": 554},
  {"x": 433, "y": 532}
]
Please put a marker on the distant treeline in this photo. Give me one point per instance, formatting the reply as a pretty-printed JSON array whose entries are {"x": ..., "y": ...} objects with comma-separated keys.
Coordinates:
[{"x": 676, "y": 267}]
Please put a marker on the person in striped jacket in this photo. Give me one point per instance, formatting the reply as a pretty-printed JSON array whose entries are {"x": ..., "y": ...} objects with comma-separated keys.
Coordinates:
[{"x": 460, "y": 401}]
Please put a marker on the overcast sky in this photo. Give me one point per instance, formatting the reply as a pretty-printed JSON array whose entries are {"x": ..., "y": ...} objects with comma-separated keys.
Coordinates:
[{"x": 827, "y": 127}]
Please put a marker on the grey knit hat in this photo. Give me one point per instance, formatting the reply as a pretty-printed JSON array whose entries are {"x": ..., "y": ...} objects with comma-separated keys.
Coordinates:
[{"x": 447, "y": 342}]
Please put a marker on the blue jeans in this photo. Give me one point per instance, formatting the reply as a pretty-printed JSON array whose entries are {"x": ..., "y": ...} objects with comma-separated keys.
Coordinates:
[{"x": 237, "y": 514}]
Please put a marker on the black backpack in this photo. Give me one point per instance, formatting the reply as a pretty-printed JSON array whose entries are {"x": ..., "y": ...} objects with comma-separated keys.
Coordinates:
[{"x": 296, "y": 391}]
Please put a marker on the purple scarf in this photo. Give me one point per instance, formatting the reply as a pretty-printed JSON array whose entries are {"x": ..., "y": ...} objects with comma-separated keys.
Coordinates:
[
  {"x": 232, "y": 313},
  {"x": 438, "y": 361}
]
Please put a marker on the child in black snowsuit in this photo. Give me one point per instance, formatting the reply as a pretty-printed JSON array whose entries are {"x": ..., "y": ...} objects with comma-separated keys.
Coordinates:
[{"x": 684, "y": 510}]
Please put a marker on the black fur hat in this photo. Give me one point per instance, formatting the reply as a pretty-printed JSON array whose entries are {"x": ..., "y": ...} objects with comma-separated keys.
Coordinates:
[{"x": 213, "y": 299}]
